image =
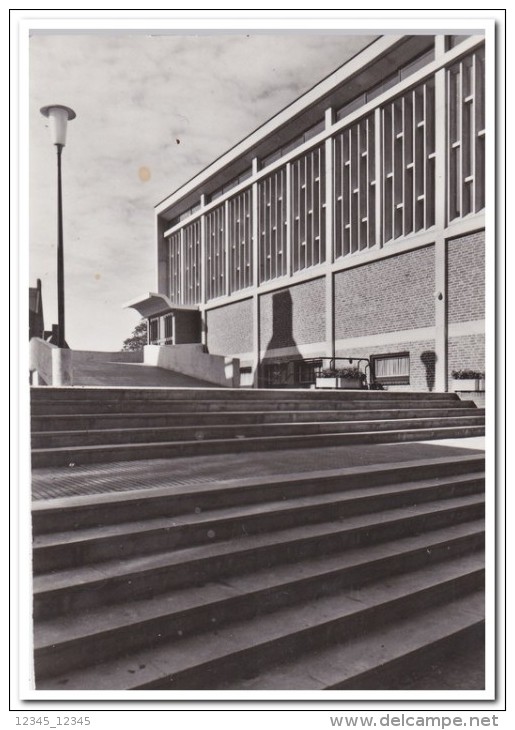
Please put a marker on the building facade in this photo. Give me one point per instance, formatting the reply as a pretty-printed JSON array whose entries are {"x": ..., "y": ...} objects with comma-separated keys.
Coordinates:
[{"x": 350, "y": 225}]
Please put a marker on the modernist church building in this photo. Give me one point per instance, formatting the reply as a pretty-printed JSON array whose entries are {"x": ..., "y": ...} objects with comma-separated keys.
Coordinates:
[{"x": 350, "y": 225}]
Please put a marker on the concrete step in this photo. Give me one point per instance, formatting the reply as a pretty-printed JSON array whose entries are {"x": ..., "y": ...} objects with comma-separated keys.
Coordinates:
[
  {"x": 101, "y": 394},
  {"x": 117, "y": 406},
  {"x": 217, "y": 656},
  {"x": 63, "y": 456},
  {"x": 111, "y": 508},
  {"x": 80, "y": 588},
  {"x": 381, "y": 657},
  {"x": 84, "y": 421},
  {"x": 57, "y": 439},
  {"x": 98, "y": 635},
  {"x": 76, "y": 547}
]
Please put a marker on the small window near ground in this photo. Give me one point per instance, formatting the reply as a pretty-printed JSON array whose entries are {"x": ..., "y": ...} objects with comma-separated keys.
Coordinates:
[{"x": 391, "y": 369}]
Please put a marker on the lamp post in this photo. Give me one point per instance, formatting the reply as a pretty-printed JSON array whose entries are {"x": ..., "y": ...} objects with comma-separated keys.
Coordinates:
[{"x": 59, "y": 116}]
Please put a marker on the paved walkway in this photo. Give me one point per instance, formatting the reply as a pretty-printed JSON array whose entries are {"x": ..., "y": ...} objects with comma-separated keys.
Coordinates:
[
  {"x": 136, "y": 375},
  {"x": 52, "y": 482}
]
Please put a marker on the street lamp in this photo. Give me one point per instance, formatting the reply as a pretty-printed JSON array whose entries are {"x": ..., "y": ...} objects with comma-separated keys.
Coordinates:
[{"x": 59, "y": 116}]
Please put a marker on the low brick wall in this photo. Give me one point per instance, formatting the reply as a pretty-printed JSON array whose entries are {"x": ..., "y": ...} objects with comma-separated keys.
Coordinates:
[
  {"x": 466, "y": 353},
  {"x": 422, "y": 361},
  {"x": 48, "y": 364}
]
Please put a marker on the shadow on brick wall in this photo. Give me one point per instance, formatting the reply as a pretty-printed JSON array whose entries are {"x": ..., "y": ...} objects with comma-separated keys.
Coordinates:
[{"x": 281, "y": 373}]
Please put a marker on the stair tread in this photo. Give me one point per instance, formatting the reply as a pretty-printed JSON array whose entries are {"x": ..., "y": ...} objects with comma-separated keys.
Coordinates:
[
  {"x": 127, "y": 391},
  {"x": 333, "y": 665},
  {"x": 249, "y": 412},
  {"x": 215, "y": 516},
  {"x": 247, "y": 427},
  {"x": 401, "y": 468},
  {"x": 101, "y": 572},
  {"x": 252, "y": 439},
  {"x": 149, "y": 666},
  {"x": 51, "y": 632}
]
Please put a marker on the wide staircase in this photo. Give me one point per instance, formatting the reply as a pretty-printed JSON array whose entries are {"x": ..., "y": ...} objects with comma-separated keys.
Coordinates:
[
  {"x": 347, "y": 578},
  {"x": 343, "y": 579},
  {"x": 92, "y": 425}
]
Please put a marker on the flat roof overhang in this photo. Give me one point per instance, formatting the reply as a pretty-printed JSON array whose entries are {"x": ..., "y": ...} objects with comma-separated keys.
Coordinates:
[
  {"x": 367, "y": 67},
  {"x": 153, "y": 304}
]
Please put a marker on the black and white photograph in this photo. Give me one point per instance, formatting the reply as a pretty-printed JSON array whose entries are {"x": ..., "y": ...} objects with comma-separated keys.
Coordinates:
[{"x": 261, "y": 355}]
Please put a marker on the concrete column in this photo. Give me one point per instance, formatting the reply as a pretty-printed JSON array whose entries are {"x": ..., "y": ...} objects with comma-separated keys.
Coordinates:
[
  {"x": 61, "y": 366},
  {"x": 441, "y": 327},
  {"x": 202, "y": 273},
  {"x": 183, "y": 266},
  {"x": 227, "y": 247},
  {"x": 288, "y": 221},
  {"x": 329, "y": 190},
  {"x": 439, "y": 46},
  {"x": 329, "y": 238},
  {"x": 255, "y": 278},
  {"x": 329, "y": 315},
  {"x": 256, "y": 339},
  {"x": 378, "y": 178}
]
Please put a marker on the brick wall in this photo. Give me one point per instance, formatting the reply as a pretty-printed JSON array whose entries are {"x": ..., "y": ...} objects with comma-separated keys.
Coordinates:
[
  {"x": 293, "y": 316},
  {"x": 392, "y": 294},
  {"x": 422, "y": 361},
  {"x": 466, "y": 279},
  {"x": 466, "y": 353},
  {"x": 229, "y": 328}
]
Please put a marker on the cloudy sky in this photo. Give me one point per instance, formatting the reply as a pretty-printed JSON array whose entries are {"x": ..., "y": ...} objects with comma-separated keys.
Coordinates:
[{"x": 152, "y": 111}]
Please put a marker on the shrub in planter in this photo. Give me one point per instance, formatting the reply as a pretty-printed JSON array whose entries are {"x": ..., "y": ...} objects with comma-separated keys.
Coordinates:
[
  {"x": 341, "y": 378},
  {"x": 470, "y": 380}
]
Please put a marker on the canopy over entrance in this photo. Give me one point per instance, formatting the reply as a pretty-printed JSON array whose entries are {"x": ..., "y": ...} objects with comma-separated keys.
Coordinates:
[{"x": 153, "y": 304}]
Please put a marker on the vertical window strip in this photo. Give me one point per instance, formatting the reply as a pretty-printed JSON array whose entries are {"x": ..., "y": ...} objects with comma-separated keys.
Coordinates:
[
  {"x": 215, "y": 253},
  {"x": 192, "y": 263},
  {"x": 408, "y": 162},
  {"x": 174, "y": 261},
  {"x": 272, "y": 225},
  {"x": 240, "y": 241},
  {"x": 427, "y": 123},
  {"x": 466, "y": 136},
  {"x": 354, "y": 188},
  {"x": 479, "y": 111},
  {"x": 307, "y": 210}
]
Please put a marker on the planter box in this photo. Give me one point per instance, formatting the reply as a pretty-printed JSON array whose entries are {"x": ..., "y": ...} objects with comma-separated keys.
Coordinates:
[
  {"x": 468, "y": 385},
  {"x": 339, "y": 383}
]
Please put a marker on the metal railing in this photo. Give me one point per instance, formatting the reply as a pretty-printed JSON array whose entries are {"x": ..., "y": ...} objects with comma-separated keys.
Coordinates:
[{"x": 303, "y": 372}]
